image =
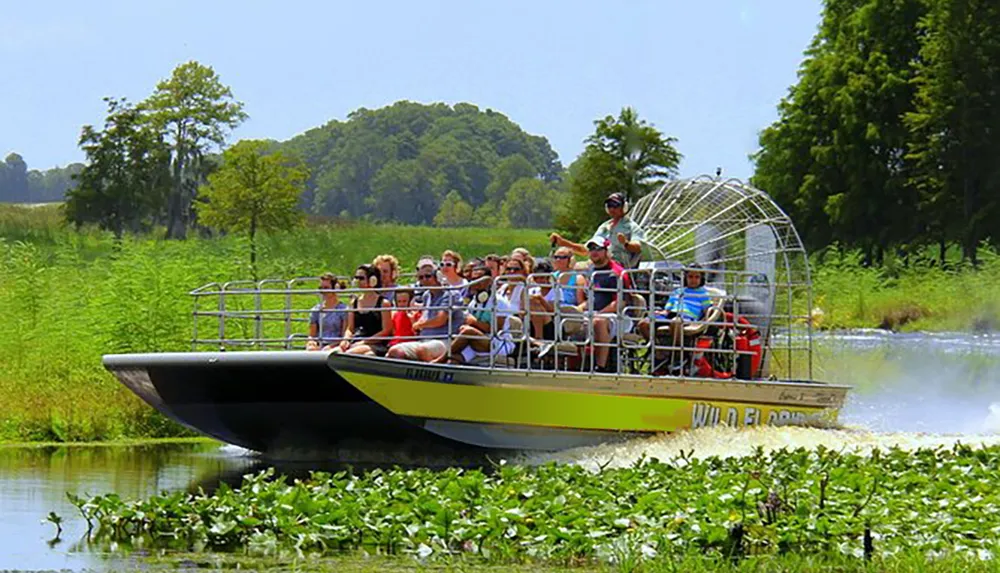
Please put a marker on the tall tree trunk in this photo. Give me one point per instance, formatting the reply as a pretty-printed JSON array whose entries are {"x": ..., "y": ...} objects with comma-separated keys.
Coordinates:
[
  {"x": 177, "y": 209},
  {"x": 942, "y": 252},
  {"x": 253, "y": 246},
  {"x": 970, "y": 237}
]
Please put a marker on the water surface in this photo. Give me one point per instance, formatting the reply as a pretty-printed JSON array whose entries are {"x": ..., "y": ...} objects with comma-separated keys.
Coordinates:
[{"x": 34, "y": 481}]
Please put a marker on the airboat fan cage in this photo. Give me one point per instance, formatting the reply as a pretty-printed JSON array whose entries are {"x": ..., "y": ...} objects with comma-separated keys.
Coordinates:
[{"x": 749, "y": 249}]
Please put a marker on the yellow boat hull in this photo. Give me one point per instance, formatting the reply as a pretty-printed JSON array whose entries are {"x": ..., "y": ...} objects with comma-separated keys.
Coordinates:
[{"x": 518, "y": 409}]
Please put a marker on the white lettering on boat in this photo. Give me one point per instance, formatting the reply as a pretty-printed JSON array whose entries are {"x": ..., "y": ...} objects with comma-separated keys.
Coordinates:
[
  {"x": 706, "y": 414},
  {"x": 732, "y": 417}
]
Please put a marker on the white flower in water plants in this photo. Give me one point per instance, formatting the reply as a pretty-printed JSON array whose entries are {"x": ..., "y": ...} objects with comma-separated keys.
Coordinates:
[{"x": 423, "y": 551}]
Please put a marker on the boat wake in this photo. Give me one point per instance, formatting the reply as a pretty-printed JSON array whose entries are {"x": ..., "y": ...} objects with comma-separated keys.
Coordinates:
[
  {"x": 728, "y": 442},
  {"x": 890, "y": 419}
]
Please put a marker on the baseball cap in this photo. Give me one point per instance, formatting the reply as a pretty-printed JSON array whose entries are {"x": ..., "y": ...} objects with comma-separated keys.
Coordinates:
[
  {"x": 615, "y": 198},
  {"x": 427, "y": 262},
  {"x": 598, "y": 242}
]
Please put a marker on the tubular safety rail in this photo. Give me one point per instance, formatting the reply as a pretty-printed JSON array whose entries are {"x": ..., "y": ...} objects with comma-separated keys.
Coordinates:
[{"x": 270, "y": 315}]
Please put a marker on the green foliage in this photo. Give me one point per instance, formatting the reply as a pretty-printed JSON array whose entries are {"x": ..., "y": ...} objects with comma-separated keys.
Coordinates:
[
  {"x": 253, "y": 191},
  {"x": 14, "y": 178},
  {"x": 530, "y": 203},
  {"x": 888, "y": 138},
  {"x": 918, "y": 296},
  {"x": 398, "y": 163},
  {"x": 625, "y": 155},
  {"x": 193, "y": 110},
  {"x": 18, "y": 184},
  {"x": 454, "y": 212},
  {"x": 124, "y": 184},
  {"x": 956, "y": 122},
  {"x": 505, "y": 174},
  {"x": 789, "y": 502}
]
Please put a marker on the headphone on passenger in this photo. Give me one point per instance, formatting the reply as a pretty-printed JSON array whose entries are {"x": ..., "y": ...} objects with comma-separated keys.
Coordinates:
[
  {"x": 374, "y": 275},
  {"x": 620, "y": 198}
]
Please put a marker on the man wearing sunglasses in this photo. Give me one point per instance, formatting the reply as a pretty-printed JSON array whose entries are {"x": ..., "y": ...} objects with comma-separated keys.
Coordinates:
[
  {"x": 605, "y": 274},
  {"x": 624, "y": 234},
  {"x": 434, "y": 326}
]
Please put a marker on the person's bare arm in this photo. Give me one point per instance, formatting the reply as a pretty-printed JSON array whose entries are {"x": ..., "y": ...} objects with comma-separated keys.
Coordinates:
[
  {"x": 348, "y": 332},
  {"x": 440, "y": 318},
  {"x": 540, "y": 299},
  {"x": 561, "y": 241},
  {"x": 386, "y": 322},
  {"x": 581, "y": 289},
  {"x": 477, "y": 324}
]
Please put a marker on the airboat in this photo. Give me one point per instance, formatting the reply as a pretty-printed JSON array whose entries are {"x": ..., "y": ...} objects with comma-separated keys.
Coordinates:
[{"x": 747, "y": 362}]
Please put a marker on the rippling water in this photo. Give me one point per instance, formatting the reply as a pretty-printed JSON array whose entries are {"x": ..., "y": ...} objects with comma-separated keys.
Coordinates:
[{"x": 910, "y": 391}]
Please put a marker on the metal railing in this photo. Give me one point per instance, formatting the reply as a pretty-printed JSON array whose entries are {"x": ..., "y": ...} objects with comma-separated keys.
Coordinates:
[{"x": 274, "y": 314}]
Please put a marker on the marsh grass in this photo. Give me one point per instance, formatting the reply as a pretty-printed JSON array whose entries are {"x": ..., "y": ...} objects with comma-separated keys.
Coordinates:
[
  {"x": 70, "y": 296},
  {"x": 819, "y": 509},
  {"x": 919, "y": 297}
]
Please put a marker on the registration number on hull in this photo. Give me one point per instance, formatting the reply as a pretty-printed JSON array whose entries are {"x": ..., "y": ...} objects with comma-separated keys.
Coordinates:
[{"x": 426, "y": 375}]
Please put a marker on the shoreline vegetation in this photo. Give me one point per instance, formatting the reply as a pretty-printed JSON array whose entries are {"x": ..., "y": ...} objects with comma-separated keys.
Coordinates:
[
  {"x": 72, "y": 296},
  {"x": 801, "y": 509}
]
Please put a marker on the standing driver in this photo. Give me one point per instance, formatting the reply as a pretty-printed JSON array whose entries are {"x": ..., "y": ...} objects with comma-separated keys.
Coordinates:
[{"x": 624, "y": 234}]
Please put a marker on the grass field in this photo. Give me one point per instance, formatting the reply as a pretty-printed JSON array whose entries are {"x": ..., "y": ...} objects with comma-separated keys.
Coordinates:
[{"x": 69, "y": 297}]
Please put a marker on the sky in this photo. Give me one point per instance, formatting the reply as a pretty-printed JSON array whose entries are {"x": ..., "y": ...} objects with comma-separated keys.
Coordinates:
[{"x": 709, "y": 73}]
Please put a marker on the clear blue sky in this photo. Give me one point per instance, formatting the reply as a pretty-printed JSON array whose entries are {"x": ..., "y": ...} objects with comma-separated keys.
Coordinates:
[{"x": 709, "y": 73}]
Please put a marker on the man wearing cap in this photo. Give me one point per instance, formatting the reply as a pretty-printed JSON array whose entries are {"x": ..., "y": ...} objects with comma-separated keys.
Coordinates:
[
  {"x": 443, "y": 317},
  {"x": 624, "y": 234},
  {"x": 605, "y": 274}
]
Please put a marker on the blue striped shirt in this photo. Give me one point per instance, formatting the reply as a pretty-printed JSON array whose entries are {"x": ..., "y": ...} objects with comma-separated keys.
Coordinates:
[{"x": 690, "y": 303}]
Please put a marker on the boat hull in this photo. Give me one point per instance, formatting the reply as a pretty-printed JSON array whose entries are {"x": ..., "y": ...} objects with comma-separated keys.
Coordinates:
[
  {"x": 286, "y": 405},
  {"x": 299, "y": 405}
]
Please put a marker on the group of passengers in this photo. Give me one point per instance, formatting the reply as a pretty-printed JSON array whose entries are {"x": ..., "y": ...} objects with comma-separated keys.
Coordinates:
[{"x": 471, "y": 307}]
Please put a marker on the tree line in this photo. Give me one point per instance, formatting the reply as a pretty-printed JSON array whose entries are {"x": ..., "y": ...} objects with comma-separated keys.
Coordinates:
[
  {"x": 422, "y": 164},
  {"x": 890, "y": 139},
  {"x": 18, "y": 184},
  {"x": 159, "y": 163}
]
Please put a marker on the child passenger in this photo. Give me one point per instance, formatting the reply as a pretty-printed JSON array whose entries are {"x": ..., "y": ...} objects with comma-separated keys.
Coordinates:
[{"x": 403, "y": 317}]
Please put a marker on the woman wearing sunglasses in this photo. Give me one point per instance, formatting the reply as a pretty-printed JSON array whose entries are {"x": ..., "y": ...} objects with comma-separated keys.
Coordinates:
[
  {"x": 451, "y": 264},
  {"x": 572, "y": 285},
  {"x": 369, "y": 325},
  {"x": 513, "y": 293}
]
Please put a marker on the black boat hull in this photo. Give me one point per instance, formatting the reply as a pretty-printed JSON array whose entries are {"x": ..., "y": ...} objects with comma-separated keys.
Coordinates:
[{"x": 284, "y": 405}]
